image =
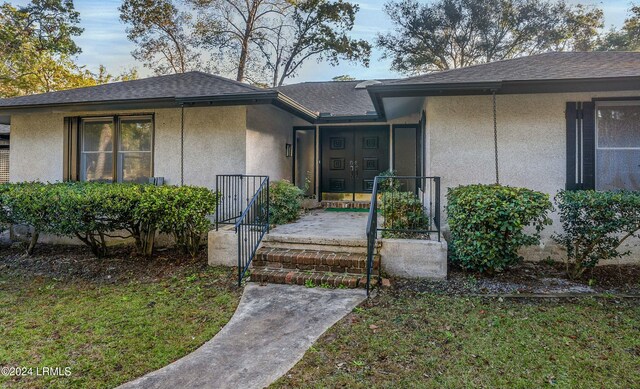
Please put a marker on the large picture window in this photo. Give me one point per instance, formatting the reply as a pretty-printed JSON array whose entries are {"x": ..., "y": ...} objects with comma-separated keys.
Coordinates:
[
  {"x": 618, "y": 145},
  {"x": 116, "y": 149}
]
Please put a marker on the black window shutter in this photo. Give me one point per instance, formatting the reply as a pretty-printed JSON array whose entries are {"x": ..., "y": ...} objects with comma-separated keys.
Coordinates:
[
  {"x": 572, "y": 150},
  {"x": 589, "y": 145},
  {"x": 581, "y": 145}
]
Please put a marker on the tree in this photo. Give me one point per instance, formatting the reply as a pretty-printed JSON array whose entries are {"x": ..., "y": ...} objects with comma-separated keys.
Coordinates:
[
  {"x": 308, "y": 29},
  {"x": 160, "y": 30},
  {"x": 36, "y": 42},
  {"x": 37, "y": 49},
  {"x": 626, "y": 39},
  {"x": 456, "y": 33},
  {"x": 234, "y": 29},
  {"x": 343, "y": 77}
]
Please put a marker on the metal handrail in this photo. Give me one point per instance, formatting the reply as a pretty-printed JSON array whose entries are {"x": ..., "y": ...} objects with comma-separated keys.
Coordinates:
[
  {"x": 251, "y": 227},
  {"x": 250, "y": 221},
  {"x": 419, "y": 188}
]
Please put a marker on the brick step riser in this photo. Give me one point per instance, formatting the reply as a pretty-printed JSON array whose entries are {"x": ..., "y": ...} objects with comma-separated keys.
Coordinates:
[
  {"x": 318, "y": 279},
  {"x": 316, "y": 268},
  {"x": 316, "y": 247}
]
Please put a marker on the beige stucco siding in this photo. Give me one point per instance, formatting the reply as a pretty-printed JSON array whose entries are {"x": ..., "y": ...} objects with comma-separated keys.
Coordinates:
[
  {"x": 268, "y": 131},
  {"x": 37, "y": 142},
  {"x": 531, "y": 143},
  {"x": 214, "y": 143}
]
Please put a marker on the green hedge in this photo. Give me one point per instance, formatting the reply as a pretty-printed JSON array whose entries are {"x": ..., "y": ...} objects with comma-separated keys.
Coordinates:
[
  {"x": 487, "y": 224},
  {"x": 285, "y": 202},
  {"x": 594, "y": 225},
  {"x": 93, "y": 212}
]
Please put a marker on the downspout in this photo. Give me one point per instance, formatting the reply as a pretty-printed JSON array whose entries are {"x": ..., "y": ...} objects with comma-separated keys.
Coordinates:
[
  {"x": 182, "y": 144},
  {"x": 495, "y": 136}
]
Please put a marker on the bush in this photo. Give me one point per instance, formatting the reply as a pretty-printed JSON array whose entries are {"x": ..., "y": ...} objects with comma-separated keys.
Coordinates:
[
  {"x": 183, "y": 211},
  {"x": 404, "y": 211},
  {"x": 30, "y": 204},
  {"x": 93, "y": 212},
  {"x": 594, "y": 225},
  {"x": 487, "y": 224},
  {"x": 285, "y": 202}
]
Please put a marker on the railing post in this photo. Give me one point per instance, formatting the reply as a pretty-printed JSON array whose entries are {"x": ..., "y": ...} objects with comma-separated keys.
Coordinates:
[
  {"x": 437, "y": 213},
  {"x": 220, "y": 199},
  {"x": 268, "y": 210},
  {"x": 240, "y": 267}
]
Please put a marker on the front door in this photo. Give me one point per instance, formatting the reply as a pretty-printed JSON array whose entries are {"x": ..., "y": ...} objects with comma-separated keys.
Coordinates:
[{"x": 351, "y": 158}]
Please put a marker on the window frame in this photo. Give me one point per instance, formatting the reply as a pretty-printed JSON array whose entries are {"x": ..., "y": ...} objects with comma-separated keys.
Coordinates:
[
  {"x": 117, "y": 119},
  {"x": 598, "y": 105}
]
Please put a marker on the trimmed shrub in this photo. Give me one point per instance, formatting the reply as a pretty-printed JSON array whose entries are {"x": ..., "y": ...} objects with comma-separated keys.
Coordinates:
[
  {"x": 93, "y": 212},
  {"x": 594, "y": 225},
  {"x": 31, "y": 204},
  {"x": 285, "y": 202},
  {"x": 183, "y": 211},
  {"x": 487, "y": 224},
  {"x": 403, "y": 211}
]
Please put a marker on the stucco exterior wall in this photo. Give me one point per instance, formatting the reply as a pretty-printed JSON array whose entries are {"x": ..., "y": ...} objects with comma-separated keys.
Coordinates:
[
  {"x": 37, "y": 142},
  {"x": 214, "y": 143},
  {"x": 268, "y": 130},
  {"x": 531, "y": 143}
]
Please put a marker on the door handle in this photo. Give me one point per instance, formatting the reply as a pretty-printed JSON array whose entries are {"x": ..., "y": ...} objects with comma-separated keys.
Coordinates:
[{"x": 356, "y": 169}]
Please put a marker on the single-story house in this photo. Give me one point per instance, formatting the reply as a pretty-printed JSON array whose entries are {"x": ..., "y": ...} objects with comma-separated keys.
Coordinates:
[{"x": 563, "y": 120}]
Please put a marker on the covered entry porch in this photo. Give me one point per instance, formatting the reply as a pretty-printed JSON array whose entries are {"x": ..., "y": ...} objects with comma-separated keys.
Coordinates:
[{"x": 338, "y": 163}]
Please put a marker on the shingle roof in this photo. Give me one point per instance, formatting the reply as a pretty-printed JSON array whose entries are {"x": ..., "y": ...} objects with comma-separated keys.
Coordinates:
[
  {"x": 549, "y": 66},
  {"x": 338, "y": 98},
  {"x": 191, "y": 84}
]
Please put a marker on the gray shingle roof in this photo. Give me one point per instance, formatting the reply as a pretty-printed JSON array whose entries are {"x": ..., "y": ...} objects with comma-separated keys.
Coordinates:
[
  {"x": 191, "y": 84},
  {"x": 339, "y": 98},
  {"x": 549, "y": 66}
]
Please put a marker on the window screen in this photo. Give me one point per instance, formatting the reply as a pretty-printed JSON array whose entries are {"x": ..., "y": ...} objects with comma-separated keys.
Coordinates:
[{"x": 618, "y": 146}]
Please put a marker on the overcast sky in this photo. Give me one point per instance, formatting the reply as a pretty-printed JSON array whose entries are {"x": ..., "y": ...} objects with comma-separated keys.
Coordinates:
[{"x": 104, "y": 40}]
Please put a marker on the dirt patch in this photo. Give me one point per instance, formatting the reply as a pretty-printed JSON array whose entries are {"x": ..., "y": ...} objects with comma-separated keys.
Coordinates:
[
  {"x": 77, "y": 263},
  {"x": 531, "y": 278}
]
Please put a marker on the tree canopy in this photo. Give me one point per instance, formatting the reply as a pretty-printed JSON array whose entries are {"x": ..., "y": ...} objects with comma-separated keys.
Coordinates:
[
  {"x": 37, "y": 49},
  {"x": 450, "y": 34}
]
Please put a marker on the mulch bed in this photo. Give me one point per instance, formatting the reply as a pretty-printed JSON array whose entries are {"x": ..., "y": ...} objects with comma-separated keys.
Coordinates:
[
  {"x": 77, "y": 263},
  {"x": 531, "y": 278}
]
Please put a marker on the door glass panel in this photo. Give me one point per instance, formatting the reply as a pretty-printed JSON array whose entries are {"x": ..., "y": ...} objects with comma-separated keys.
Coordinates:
[
  {"x": 618, "y": 146},
  {"x": 135, "y": 145},
  {"x": 305, "y": 157},
  {"x": 404, "y": 155},
  {"x": 96, "y": 154}
]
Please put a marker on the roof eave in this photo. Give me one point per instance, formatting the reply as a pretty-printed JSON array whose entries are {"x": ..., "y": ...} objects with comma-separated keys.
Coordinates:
[{"x": 379, "y": 92}]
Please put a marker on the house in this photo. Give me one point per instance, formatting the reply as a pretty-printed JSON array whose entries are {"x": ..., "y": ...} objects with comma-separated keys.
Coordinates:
[{"x": 562, "y": 120}]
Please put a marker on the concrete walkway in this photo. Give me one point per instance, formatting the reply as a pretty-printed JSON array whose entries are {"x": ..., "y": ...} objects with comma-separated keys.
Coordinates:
[{"x": 269, "y": 333}]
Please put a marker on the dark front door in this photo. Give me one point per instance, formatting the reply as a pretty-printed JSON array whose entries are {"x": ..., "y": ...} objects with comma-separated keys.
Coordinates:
[{"x": 351, "y": 158}]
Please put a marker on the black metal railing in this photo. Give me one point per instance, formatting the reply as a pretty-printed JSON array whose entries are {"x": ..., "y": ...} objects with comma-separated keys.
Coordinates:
[
  {"x": 252, "y": 223},
  {"x": 410, "y": 208},
  {"x": 236, "y": 191}
]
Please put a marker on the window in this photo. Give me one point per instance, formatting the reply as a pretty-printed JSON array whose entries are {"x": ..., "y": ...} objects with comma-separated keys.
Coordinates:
[
  {"x": 618, "y": 145},
  {"x": 116, "y": 149}
]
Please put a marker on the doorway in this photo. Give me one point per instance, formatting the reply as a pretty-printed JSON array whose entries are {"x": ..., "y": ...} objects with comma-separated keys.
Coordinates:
[{"x": 351, "y": 158}]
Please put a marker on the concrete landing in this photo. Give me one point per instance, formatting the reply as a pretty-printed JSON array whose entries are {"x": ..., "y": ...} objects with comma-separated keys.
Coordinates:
[
  {"x": 321, "y": 224},
  {"x": 269, "y": 333}
]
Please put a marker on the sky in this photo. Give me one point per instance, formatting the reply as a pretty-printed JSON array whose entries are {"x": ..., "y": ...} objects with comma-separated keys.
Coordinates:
[{"x": 104, "y": 39}]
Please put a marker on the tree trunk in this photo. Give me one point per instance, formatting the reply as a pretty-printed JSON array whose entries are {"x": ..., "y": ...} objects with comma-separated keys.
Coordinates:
[{"x": 33, "y": 241}]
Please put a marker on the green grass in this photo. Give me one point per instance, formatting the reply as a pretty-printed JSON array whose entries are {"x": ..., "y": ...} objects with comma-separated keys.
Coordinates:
[
  {"x": 108, "y": 334},
  {"x": 429, "y": 341}
]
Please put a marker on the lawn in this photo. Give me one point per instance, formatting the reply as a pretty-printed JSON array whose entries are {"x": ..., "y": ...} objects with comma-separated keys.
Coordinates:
[
  {"x": 108, "y": 332},
  {"x": 406, "y": 340}
]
